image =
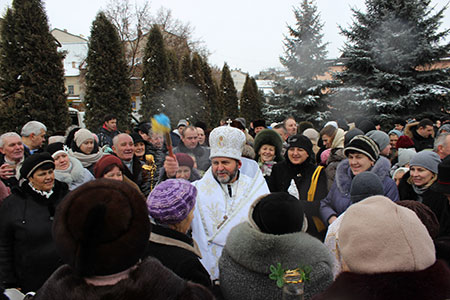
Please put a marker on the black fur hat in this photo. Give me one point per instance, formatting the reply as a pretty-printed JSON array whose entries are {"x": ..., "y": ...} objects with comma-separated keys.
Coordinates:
[
  {"x": 269, "y": 137},
  {"x": 102, "y": 227}
]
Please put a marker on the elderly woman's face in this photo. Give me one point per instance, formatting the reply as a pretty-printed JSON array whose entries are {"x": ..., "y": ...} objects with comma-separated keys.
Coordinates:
[
  {"x": 62, "y": 161},
  {"x": 183, "y": 172},
  {"x": 114, "y": 174},
  {"x": 43, "y": 180},
  {"x": 267, "y": 152},
  {"x": 420, "y": 176},
  {"x": 297, "y": 155}
]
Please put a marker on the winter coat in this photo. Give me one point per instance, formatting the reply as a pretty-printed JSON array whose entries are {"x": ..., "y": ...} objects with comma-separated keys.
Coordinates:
[
  {"x": 201, "y": 155},
  {"x": 136, "y": 176},
  {"x": 437, "y": 202},
  {"x": 248, "y": 254},
  {"x": 179, "y": 253},
  {"x": 338, "y": 198},
  {"x": 420, "y": 143},
  {"x": 27, "y": 252},
  {"x": 105, "y": 137},
  {"x": 150, "y": 280},
  {"x": 280, "y": 180},
  {"x": 75, "y": 176},
  {"x": 432, "y": 283},
  {"x": 336, "y": 156},
  {"x": 159, "y": 155}
]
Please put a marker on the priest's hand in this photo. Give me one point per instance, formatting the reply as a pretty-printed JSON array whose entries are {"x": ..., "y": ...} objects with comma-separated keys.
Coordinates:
[{"x": 171, "y": 166}]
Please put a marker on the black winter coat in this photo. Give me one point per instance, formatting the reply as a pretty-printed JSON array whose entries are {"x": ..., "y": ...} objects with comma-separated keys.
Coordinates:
[
  {"x": 176, "y": 251},
  {"x": 27, "y": 251},
  {"x": 201, "y": 155},
  {"x": 437, "y": 202},
  {"x": 280, "y": 180},
  {"x": 432, "y": 283},
  {"x": 150, "y": 280}
]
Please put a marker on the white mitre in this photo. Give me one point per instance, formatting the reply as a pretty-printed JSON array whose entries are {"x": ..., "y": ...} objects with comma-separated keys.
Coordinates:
[{"x": 226, "y": 141}]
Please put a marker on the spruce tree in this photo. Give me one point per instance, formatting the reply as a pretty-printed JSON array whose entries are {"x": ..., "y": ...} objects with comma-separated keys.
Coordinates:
[
  {"x": 107, "y": 80},
  {"x": 173, "y": 104},
  {"x": 33, "y": 82},
  {"x": 305, "y": 59},
  {"x": 228, "y": 94},
  {"x": 155, "y": 76},
  {"x": 212, "y": 96},
  {"x": 386, "y": 57},
  {"x": 250, "y": 100},
  {"x": 202, "y": 111}
]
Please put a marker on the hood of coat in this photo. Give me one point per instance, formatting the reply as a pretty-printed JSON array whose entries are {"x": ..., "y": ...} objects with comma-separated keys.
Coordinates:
[
  {"x": 256, "y": 251},
  {"x": 344, "y": 175}
]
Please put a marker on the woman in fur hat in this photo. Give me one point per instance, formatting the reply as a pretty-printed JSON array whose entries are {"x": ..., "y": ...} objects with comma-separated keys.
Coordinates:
[
  {"x": 27, "y": 252},
  {"x": 417, "y": 185},
  {"x": 101, "y": 231},
  {"x": 275, "y": 233},
  {"x": 362, "y": 155},
  {"x": 390, "y": 256},
  {"x": 68, "y": 169},
  {"x": 85, "y": 148},
  {"x": 268, "y": 145},
  {"x": 295, "y": 176}
]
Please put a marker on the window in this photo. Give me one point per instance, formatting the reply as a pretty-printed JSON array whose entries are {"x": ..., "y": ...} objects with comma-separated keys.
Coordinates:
[{"x": 70, "y": 89}]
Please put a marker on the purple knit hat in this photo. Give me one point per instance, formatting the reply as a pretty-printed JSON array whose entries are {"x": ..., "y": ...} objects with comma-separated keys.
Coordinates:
[{"x": 171, "y": 201}]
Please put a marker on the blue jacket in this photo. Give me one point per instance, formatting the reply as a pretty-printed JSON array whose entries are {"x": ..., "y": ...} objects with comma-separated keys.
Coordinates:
[{"x": 338, "y": 198}]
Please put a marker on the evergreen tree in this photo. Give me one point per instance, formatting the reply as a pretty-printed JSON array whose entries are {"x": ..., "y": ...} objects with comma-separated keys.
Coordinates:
[
  {"x": 386, "y": 61},
  {"x": 107, "y": 80},
  {"x": 305, "y": 59},
  {"x": 202, "y": 111},
  {"x": 32, "y": 71},
  {"x": 156, "y": 75},
  {"x": 173, "y": 104},
  {"x": 212, "y": 96},
  {"x": 228, "y": 94},
  {"x": 250, "y": 100}
]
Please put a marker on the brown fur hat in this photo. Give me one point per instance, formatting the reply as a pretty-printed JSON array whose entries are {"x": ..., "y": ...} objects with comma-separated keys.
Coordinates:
[{"x": 102, "y": 227}]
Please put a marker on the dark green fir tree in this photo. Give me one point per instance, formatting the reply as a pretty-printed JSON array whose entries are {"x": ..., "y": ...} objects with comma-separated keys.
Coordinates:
[
  {"x": 305, "y": 59},
  {"x": 228, "y": 94},
  {"x": 203, "y": 110},
  {"x": 212, "y": 96},
  {"x": 387, "y": 56},
  {"x": 32, "y": 84},
  {"x": 107, "y": 79},
  {"x": 250, "y": 100},
  {"x": 156, "y": 75}
]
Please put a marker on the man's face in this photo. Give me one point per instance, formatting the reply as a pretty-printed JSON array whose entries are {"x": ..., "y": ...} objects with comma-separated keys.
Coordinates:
[
  {"x": 12, "y": 148},
  {"x": 111, "y": 125},
  {"x": 399, "y": 127},
  {"x": 157, "y": 140},
  {"x": 426, "y": 131},
  {"x": 393, "y": 138},
  {"x": 124, "y": 148},
  {"x": 259, "y": 128},
  {"x": 181, "y": 129},
  {"x": 37, "y": 139},
  {"x": 291, "y": 127},
  {"x": 282, "y": 133},
  {"x": 444, "y": 150},
  {"x": 225, "y": 169},
  {"x": 190, "y": 138}
]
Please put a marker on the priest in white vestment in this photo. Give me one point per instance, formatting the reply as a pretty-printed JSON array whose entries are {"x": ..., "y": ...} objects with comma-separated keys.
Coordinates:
[{"x": 225, "y": 195}]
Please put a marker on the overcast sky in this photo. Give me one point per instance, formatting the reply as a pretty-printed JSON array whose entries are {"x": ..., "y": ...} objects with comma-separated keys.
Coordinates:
[{"x": 246, "y": 34}]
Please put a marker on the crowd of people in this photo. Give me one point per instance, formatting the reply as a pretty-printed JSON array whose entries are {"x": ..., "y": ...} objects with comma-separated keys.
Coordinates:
[{"x": 355, "y": 212}]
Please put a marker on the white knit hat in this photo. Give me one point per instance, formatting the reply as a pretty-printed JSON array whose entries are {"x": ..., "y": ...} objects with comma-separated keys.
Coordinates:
[
  {"x": 377, "y": 236},
  {"x": 226, "y": 141}
]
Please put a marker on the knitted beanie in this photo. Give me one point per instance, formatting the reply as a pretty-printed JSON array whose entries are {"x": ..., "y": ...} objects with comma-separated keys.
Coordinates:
[
  {"x": 404, "y": 156},
  {"x": 396, "y": 132},
  {"x": 171, "y": 201},
  {"x": 300, "y": 141},
  {"x": 364, "y": 145},
  {"x": 404, "y": 142},
  {"x": 377, "y": 236},
  {"x": 380, "y": 137},
  {"x": 349, "y": 135},
  {"x": 55, "y": 149},
  {"x": 82, "y": 135},
  {"x": 104, "y": 162},
  {"x": 366, "y": 126},
  {"x": 33, "y": 162},
  {"x": 312, "y": 134},
  {"x": 185, "y": 160},
  {"x": 101, "y": 228},
  {"x": 277, "y": 213},
  {"x": 364, "y": 185},
  {"x": 425, "y": 214},
  {"x": 426, "y": 159}
]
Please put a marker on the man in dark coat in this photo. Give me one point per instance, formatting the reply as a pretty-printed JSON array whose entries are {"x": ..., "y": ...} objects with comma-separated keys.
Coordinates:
[
  {"x": 421, "y": 133},
  {"x": 108, "y": 131},
  {"x": 189, "y": 145}
]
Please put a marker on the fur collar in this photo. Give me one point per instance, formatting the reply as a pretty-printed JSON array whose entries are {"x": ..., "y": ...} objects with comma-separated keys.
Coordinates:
[
  {"x": 150, "y": 280},
  {"x": 344, "y": 175},
  {"x": 256, "y": 251},
  {"x": 432, "y": 283}
]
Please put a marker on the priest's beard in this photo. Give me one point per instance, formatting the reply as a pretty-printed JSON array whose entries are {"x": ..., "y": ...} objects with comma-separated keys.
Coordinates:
[{"x": 226, "y": 176}]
